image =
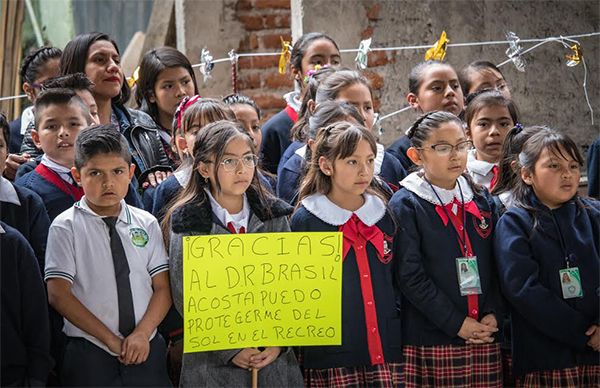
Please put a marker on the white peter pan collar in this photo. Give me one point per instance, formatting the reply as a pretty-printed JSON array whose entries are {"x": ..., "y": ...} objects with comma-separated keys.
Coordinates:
[
  {"x": 370, "y": 213},
  {"x": 183, "y": 175},
  {"x": 301, "y": 152},
  {"x": 415, "y": 183},
  {"x": 480, "y": 167},
  {"x": 8, "y": 193}
]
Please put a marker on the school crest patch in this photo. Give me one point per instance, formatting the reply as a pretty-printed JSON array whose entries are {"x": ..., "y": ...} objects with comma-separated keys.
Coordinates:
[
  {"x": 387, "y": 249},
  {"x": 139, "y": 237},
  {"x": 483, "y": 226}
]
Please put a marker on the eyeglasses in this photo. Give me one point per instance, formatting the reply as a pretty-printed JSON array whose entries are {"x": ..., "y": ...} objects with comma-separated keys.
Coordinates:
[
  {"x": 231, "y": 164},
  {"x": 446, "y": 149}
]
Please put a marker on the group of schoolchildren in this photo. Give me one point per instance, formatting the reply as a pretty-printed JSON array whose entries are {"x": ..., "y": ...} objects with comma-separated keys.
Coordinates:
[{"x": 469, "y": 259}]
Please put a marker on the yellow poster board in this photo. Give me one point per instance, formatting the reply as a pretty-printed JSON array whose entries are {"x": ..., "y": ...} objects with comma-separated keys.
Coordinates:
[{"x": 263, "y": 289}]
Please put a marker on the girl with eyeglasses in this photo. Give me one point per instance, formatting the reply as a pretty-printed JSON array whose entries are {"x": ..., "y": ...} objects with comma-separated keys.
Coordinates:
[
  {"x": 224, "y": 195},
  {"x": 449, "y": 315}
]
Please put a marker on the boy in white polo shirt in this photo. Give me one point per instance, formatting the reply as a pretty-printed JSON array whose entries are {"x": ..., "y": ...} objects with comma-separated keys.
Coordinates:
[{"x": 106, "y": 269}]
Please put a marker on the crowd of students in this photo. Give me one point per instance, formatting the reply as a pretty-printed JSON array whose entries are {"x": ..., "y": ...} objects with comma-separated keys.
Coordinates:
[{"x": 469, "y": 259}]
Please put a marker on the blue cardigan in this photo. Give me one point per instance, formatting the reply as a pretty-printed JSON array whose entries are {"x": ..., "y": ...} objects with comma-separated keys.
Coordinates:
[
  {"x": 276, "y": 138},
  {"x": 354, "y": 349},
  {"x": 433, "y": 310},
  {"x": 548, "y": 331},
  {"x": 398, "y": 149},
  {"x": 289, "y": 152}
]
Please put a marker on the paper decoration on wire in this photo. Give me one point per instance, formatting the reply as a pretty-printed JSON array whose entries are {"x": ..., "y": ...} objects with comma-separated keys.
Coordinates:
[
  {"x": 311, "y": 72},
  {"x": 284, "y": 57},
  {"x": 575, "y": 58},
  {"x": 206, "y": 64},
  {"x": 514, "y": 51},
  {"x": 134, "y": 77},
  {"x": 437, "y": 52},
  {"x": 362, "y": 57},
  {"x": 233, "y": 57}
]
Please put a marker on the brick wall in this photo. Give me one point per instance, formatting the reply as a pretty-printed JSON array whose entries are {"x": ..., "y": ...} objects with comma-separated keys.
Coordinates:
[{"x": 264, "y": 21}]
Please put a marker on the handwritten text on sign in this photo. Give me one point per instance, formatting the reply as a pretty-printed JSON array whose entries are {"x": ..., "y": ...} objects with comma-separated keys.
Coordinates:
[{"x": 264, "y": 289}]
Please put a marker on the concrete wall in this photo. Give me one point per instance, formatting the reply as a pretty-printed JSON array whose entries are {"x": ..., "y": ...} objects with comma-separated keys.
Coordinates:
[{"x": 548, "y": 92}]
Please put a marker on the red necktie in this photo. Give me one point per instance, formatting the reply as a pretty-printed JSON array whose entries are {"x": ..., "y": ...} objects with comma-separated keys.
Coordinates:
[
  {"x": 494, "y": 178},
  {"x": 231, "y": 228}
]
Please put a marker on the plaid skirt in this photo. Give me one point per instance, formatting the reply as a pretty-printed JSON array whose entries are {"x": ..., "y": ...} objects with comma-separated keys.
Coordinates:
[
  {"x": 453, "y": 366},
  {"x": 384, "y": 375},
  {"x": 507, "y": 369},
  {"x": 578, "y": 376}
]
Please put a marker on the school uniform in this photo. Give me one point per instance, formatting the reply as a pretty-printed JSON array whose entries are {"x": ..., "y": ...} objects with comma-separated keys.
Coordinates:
[
  {"x": 433, "y": 309},
  {"x": 398, "y": 150},
  {"x": 371, "y": 349},
  {"x": 89, "y": 267},
  {"x": 24, "y": 210},
  {"x": 25, "y": 333},
  {"x": 16, "y": 137},
  {"x": 57, "y": 188},
  {"x": 593, "y": 169},
  {"x": 276, "y": 136},
  {"x": 215, "y": 369},
  {"x": 289, "y": 152},
  {"x": 548, "y": 331},
  {"x": 483, "y": 173}
]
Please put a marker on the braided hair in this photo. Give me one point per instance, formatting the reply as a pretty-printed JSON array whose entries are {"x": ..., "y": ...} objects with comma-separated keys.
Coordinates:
[{"x": 34, "y": 62}]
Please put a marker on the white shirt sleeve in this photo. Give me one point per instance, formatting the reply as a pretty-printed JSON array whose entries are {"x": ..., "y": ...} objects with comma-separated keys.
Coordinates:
[
  {"x": 60, "y": 254},
  {"x": 159, "y": 260}
]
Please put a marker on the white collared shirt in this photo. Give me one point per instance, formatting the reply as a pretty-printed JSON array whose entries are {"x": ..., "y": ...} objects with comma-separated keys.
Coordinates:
[
  {"x": 370, "y": 213},
  {"x": 415, "y": 183},
  {"x": 238, "y": 220},
  {"x": 480, "y": 170},
  {"x": 78, "y": 251},
  {"x": 8, "y": 193},
  {"x": 27, "y": 117},
  {"x": 62, "y": 171}
]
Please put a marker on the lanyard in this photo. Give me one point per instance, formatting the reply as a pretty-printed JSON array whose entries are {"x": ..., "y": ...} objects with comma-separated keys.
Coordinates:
[
  {"x": 462, "y": 239},
  {"x": 561, "y": 240}
]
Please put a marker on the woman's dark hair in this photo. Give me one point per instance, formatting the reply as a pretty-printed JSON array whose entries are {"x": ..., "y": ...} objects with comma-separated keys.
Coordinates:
[
  {"x": 240, "y": 99},
  {"x": 209, "y": 147},
  {"x": 464, "y": 76},
  {"x": 489, "y": 97},
  {"x": 302, "y": 44},
  {"x": 153, "y": 62},
  {"x": 35, "y": 61},
  {"x": 415, "y": 78},
  {"x": 549, "y": 139},
  {"x": 508, "y": 176},
  {"x": 74, "y": 59}
]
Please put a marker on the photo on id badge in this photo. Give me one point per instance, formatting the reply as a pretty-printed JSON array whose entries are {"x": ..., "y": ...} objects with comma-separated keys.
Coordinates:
[
  {"x": 570, "y": 283},
  {"x": 468, "y": 276}
]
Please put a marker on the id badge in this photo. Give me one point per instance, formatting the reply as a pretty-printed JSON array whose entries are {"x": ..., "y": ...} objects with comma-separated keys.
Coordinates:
[
  {"x": 570, "y": 282},
  {"x": 468, "y": 276}
]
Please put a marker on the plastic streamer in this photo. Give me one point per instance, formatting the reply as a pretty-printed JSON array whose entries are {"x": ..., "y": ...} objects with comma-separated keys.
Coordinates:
[
  {"x": 515, "y": 51},
  {"x": 206, "y": 64},
  {"x": 284, "y": 57},
  {"x": 134, "y": 77},
  {"x": 233, "y": 57},
  {"x": 362, "y": 57},
  {"x": 438, "y": 51}
]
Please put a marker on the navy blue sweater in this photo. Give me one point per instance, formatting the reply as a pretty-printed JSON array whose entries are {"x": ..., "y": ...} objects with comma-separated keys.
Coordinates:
[
  {"x": 30, "y": 219},
  {"x": 289, "y": 152},
  {"x": 276, "y": 138},
  {"x": 25, "y": 332},
  {"x": 57, "y": 201},
  {"x": 15, "y": 136},
  {"x": 354, "y": 349},
  {"x": 433, "y": 310},
  {"x": 548, "y": 331},
  {"x": 593, "y": 169},
  {"x": 398, "y": 149}
]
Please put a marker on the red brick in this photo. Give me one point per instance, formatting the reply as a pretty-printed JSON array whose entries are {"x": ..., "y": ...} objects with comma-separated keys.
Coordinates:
[
  {"x": 375, "y": 79},
  {"x": 373, "y": 12},
  {"x": 249, "y": 81},
  {"x": 252, "y": 22},
  {"x": 268, "y": 101},
  {"x": 249, "y": 42},
  {"x": 376, "y": 104},
  {"x": 258, "y": 62},
  {"x": 367, "y": 33},
  {"x": 273, "y": 41},
  {"x": 277, "y": 21},
  {"x": 243, "y": 5},
  {"x": 378, "y": 58},
  {"x": 278, "y": 81},
  {"x": 280, "y": 4}
]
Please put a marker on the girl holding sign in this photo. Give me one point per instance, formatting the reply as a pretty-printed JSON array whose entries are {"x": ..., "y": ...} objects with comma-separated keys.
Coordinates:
[
  {"x": 450, "y": 297},
  {"x": 224, "y": 195},
  {"x": 340, "y": 194},
  {"x": 549, "y": 249}
]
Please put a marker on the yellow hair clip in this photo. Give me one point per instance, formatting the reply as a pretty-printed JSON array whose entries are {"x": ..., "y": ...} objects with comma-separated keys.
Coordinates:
[
  {"x": 284, "y": 57},
  {"x": 575, "y": 58},
  {"x": 134, "y": 78},
  {"x": 437, "y": 52}
]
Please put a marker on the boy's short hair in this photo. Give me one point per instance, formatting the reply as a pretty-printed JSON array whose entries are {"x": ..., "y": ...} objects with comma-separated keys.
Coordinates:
[
  {"x": 100, "y": 139},
  {"x": 59, "y": 96},
  {"x": 5, "y": 128},
  {"x": 76, "y": 82}
]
